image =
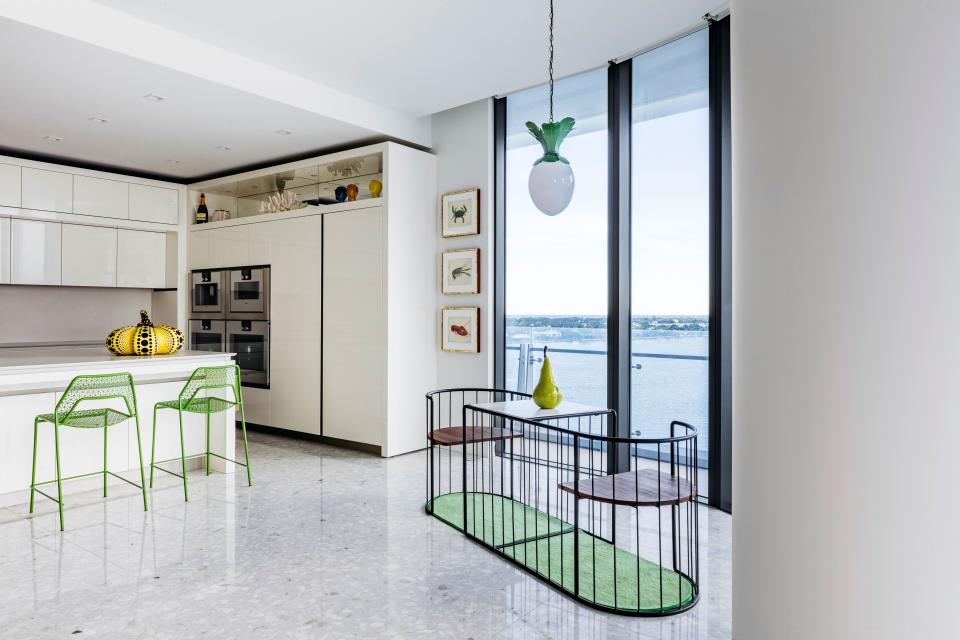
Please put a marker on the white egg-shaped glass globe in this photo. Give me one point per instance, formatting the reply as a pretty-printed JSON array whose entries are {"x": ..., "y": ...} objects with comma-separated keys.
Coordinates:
[{"x": 551, "y": 186}]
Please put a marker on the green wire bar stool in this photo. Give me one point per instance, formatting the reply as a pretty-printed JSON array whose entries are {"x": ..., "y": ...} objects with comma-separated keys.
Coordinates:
[
  {"x": 107, "y": 386},
  {"x": 202, "y": 379}
]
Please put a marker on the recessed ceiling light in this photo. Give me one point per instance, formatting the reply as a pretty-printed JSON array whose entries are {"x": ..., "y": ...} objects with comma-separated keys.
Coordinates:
[
  {"x": 98, "y": 119},
  {"x": 53, "y": 138},
  {"x": 154, "y": 97},
  {"x": 172, "y": 161},
  {"x": 283, "y": 132},
  {"x": 222, "y": 147}
]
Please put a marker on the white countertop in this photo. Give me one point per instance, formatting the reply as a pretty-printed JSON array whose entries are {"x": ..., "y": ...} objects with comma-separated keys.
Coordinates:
[
  {"x": 38, "y": 370},
  {"x": 60, "y": 357}
]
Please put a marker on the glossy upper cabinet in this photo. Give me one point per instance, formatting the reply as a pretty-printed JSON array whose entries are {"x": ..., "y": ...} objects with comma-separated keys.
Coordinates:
[
  {"x": 46, "y": 190},
  {"x": 9, "y": 185},
  {"x": 4, "y": 250},
  {"x": 34, "y": 252},
  {"x": 99, "y": 197},
  {"x": 89, "y": 256},
  {"x": 154, "y": 204},
  {"x": 141, "y": 259}
]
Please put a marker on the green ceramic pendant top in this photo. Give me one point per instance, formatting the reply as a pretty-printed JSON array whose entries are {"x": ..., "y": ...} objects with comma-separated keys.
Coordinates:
[
  {"x": 550, "y": 135},
  {"x": 547, "y": 394}
]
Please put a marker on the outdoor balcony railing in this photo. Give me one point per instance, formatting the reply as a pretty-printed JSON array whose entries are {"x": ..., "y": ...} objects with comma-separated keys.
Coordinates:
[{"x": 664, "y": 386}]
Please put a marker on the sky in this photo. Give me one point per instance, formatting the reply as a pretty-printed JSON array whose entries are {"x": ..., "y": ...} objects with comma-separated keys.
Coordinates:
[{"x": 557, "y": 265}]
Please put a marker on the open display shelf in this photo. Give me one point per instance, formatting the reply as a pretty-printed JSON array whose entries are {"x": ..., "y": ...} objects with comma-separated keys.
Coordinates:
[{"x": 313, "y": 184}]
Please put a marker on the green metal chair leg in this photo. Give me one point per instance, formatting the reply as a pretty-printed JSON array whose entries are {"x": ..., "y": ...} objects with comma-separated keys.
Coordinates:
[
  {"x": 153, "y": 444},
  {"x": 33, "y": 472},
  {"x": 104, "y": 458},
  {"x": 183, "y": 458},
  {"x": 208, "y": 444},
  {"x": 246, "y": 448},
  {"x": 56, "y": 449},
  {"x": 143, "y": 485}
]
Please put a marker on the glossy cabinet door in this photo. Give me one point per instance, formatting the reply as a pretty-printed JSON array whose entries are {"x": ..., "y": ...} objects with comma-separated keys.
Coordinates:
[
  {"x": 154, "y": 204},
  {"x": 9, "y": 185},
  {"x": 141, "y": 259},
  {"x": 89, "y": 256},
  {"x": 46, "y": 190},
  {"x": 34, "y": 252},
  {"x": 230, "y": 246},
  {"x": 198, "y": 250},
  {"x": 354, "y": 326},
  {"x": 4, "y": 250},
  {"x": 99, "y": 197}
]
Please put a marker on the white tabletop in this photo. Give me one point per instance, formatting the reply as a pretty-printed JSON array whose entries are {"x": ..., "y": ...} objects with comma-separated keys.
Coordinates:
[
  {"x": 29, "y": 358},
  {"x": 528, "y": 410}
]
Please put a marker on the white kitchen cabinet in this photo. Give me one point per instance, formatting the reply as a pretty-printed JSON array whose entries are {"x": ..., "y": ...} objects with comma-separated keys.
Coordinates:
[
  {"x": 99, "y": 197},
  {"x": 46, "y": 190},
  {"x": 34, "y": 252},
  {"x": 230, "y": 246},
  {"x": 198, "y": 250},
  {"x": 4, "y": 250},
  {"x": 89, "y": 256},
  {"x": 154, "y": 204},
  {"x": 9, "y": 185},
  {"x": 354, "y": 326},
  {"x": 141, "y": 259},
  {"x": 220, "y": 247}
]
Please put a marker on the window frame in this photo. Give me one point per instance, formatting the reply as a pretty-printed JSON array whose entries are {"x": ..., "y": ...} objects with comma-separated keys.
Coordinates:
[{"x": 619, "y": 98}]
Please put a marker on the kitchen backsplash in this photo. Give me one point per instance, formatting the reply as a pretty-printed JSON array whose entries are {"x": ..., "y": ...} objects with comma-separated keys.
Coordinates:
[{"x": 66, "y": 315}]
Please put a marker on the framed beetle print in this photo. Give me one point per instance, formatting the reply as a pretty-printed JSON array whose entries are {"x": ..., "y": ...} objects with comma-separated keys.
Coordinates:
[{"x": 460, "y": 213}]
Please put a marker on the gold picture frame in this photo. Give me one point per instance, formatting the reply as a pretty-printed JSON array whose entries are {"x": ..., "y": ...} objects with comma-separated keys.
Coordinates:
[
  {"x": 460, "y": 213},
  {"x": 460, "y": 272},
  {"x": 460, "y": 329}
]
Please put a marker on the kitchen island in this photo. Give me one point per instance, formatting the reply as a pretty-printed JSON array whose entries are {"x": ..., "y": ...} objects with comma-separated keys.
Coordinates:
[{"x": 31, "y": 381}]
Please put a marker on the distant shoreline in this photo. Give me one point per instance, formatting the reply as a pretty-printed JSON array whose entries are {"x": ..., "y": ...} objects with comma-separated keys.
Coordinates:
[{"x": 651, "y": 322}]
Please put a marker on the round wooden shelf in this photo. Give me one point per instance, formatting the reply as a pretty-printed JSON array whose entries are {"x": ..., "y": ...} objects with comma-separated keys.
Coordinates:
[
  {"x": 449, "y": 436},
  {"x": 641, "y": 488}
]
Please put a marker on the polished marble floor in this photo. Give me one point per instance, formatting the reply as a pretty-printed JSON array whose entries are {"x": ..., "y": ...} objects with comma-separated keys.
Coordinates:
[{"x": 328, "y": 543}]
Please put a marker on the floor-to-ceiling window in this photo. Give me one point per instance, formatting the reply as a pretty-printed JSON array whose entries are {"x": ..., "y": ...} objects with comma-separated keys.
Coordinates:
[
  {"x": 670, "y": 238},
  {"x": 556, "y": 267},
  {"x": 563, "y": 281}
]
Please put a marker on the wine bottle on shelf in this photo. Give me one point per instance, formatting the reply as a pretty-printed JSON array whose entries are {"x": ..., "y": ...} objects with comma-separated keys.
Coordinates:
[{"x": 202, "y": 210}]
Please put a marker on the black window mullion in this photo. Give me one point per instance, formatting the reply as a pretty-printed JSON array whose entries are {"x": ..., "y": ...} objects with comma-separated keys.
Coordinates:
[
  {"x": 618, "y": 257},
  {"x": 500, "y": 242},
  {"x": 721, "y": 204}
]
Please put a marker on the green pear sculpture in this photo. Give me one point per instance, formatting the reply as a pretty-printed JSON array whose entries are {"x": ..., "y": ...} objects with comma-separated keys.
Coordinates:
[{"x": 547, "y": 394}]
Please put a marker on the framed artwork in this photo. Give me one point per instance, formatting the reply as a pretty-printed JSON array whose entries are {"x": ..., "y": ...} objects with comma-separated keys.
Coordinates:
[
  {"x": 459, "y": 213},
  {"x": 460, "y": 329},
  {"x": 460, "y": 271}
]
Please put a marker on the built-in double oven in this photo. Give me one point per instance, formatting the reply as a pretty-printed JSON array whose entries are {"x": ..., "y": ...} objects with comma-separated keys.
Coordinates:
[{"x": 230, "y": 311}]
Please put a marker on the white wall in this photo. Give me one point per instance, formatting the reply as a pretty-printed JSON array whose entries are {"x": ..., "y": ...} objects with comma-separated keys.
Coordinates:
[
  {"x": 67, "y": 314},
  {"x": 847, "y": 303},
  {"x": 463, "y": 142}
]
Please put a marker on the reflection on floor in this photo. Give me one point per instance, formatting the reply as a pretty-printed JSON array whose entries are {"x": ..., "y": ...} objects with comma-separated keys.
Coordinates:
[{"x": 328, "y": 543}]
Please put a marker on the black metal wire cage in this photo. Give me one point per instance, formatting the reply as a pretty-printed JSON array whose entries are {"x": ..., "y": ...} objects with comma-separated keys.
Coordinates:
[{"x": 610, "y": 521}]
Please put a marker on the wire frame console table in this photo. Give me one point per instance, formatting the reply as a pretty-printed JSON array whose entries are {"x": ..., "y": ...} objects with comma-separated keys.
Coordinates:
[{"x": 555, "y": 493}]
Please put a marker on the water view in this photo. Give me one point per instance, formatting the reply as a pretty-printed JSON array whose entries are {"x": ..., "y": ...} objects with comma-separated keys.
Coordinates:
[{"x": 669, "y": 359}]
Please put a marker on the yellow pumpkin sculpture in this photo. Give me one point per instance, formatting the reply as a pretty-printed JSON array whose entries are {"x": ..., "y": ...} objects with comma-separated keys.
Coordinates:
[{"x": 144, "y": 339}]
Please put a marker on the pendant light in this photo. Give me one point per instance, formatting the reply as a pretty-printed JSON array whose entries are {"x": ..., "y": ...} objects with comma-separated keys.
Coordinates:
[{"x": 551, "y": 178}]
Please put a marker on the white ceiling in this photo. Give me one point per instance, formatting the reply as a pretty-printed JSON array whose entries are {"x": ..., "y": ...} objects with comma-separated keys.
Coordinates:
[
  {"x": 332, "y": 73},
  {"x": 424, "y": 56},
  {"x": 64, "y": 82}
]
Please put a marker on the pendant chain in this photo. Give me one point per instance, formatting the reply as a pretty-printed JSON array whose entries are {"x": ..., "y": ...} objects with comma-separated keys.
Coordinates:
[{"x": 551, "y": 60}]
